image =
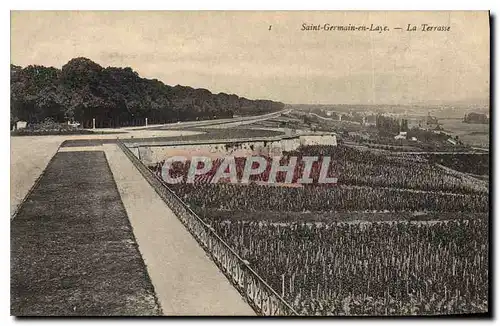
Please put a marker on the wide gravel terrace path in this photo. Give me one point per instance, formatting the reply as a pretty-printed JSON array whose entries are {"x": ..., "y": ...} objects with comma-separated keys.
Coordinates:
[
  {"x": 186, "y": 281},
  {"x": 73, "y": 251}
]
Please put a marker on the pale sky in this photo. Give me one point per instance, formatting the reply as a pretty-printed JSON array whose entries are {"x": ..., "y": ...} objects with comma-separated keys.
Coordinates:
[{"x": 235, "y": 52}]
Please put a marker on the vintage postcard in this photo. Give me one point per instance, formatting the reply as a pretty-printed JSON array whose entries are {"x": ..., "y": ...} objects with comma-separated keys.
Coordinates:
[{"x": 250, "y": 163}]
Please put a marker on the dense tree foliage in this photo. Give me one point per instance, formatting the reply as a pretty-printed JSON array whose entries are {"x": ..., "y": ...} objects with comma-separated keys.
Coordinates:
[{"x": 83, "y": 90}]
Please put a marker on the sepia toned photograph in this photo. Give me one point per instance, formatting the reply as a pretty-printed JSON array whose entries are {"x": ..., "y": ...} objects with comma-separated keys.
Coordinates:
[{"x": 250, "y": 163}]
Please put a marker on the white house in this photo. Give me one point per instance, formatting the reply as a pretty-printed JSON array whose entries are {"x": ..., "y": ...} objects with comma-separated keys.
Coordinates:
[{"x": 402, "y": 135}]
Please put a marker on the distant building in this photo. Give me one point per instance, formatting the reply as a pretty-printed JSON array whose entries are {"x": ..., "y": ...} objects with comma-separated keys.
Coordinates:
[{"x": 21, "y": 124}]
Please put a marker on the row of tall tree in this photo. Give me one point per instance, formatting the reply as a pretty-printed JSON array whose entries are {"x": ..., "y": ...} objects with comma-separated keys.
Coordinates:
[
  {"x": 389, "y": 125},
  {"x": 83, "y": 90}
]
